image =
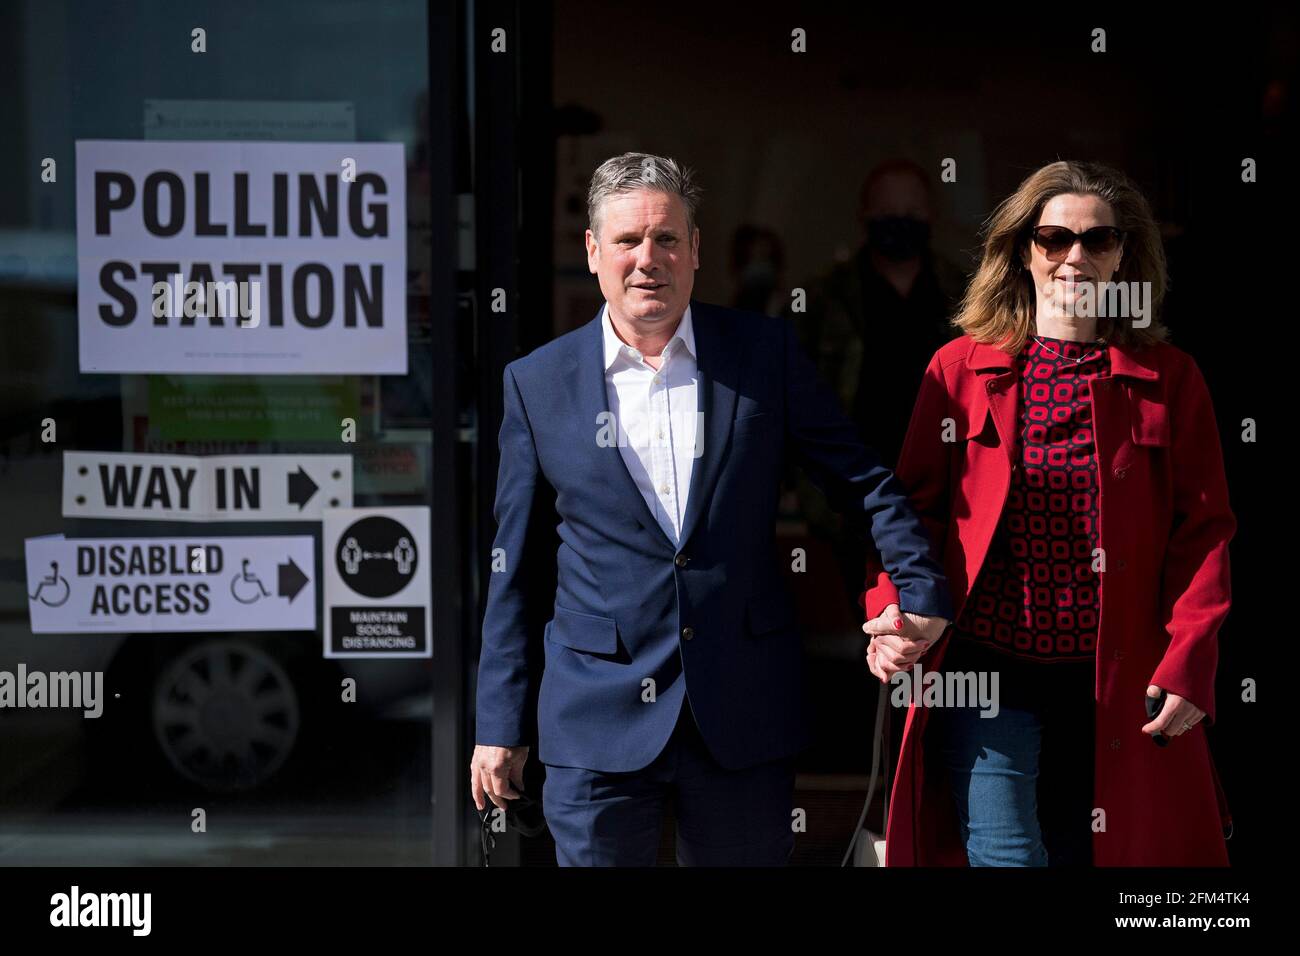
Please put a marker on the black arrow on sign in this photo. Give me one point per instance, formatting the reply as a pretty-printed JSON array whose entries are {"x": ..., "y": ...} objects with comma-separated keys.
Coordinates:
[
  {"x": 301, "y": 488},
  {"x": 292, "y": 580}
]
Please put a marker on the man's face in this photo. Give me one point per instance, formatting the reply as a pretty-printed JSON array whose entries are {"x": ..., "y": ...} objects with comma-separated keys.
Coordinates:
[{"x": 644, "y": 259}]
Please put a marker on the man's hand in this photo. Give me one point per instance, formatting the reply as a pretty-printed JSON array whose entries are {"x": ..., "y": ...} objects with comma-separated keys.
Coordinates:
[
  {"x": 899, "y": 639},
  {"x": 496, "y": 771}
]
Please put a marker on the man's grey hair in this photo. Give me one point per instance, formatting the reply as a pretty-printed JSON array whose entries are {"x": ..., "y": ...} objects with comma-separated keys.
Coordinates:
[{"x": 621, "y": 174}]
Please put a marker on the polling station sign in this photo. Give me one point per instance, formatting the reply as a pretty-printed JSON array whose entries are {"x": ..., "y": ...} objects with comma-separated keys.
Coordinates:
[
  {"x": 241, "y": 257},
  {"x": 194, "y": 488},
  {"x": 375, "y": 562},
  {"x": 80, "y": 585}
]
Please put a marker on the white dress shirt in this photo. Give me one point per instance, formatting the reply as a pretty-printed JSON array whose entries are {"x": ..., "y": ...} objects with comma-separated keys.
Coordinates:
[{"x": 656, "y": 414}]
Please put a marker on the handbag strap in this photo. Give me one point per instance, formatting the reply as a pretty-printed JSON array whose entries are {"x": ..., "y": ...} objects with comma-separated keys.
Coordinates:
[
  {"x": 886, "y": 745},
  {"x": 877, "y": 739}
]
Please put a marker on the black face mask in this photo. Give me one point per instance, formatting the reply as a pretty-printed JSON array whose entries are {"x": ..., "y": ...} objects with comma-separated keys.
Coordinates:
[{"x": 898, "y": 237}]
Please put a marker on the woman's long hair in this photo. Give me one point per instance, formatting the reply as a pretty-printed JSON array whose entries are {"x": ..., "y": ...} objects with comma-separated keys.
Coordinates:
[{"x": 998, "y": 307}]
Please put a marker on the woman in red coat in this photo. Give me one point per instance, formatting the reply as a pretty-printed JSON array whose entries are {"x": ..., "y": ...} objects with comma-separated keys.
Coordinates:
[{"x": 1066, "y": 461}]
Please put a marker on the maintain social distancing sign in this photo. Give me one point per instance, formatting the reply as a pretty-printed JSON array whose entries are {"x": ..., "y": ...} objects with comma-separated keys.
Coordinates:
[
  {"x": 377, "y": 570},
  {"x": 241, "y": 257},
  {"x": 195, "y": 583}
]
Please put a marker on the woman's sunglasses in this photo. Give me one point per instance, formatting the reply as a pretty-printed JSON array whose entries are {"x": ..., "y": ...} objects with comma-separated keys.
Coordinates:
[{"x": 1056, "y": 241}]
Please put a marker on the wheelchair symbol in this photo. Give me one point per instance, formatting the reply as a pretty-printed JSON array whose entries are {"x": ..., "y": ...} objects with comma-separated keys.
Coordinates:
[
  {"x": 246, "y": 587},
  {"x": 58, "y": 585},
  {"x": 352, "y": 556}
]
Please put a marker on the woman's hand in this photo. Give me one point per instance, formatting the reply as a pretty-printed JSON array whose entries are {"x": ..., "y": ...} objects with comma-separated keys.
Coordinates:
[
  {"x": 1178, "y": 716},
  {"x": 898, "y": 641}
]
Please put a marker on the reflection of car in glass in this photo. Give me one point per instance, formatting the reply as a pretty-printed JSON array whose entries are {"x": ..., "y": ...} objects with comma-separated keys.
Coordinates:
[{"x": 226, "y": 711}]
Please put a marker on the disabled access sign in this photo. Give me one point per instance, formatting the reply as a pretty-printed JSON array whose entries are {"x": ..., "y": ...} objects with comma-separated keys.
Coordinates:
[{"x": 195, "y": 583}]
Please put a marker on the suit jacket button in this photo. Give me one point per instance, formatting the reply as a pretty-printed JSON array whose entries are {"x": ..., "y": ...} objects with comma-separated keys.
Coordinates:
[
  {"x": 1119, "y": 655},
  {"x": 681, "y": 560},
  {"x": 1121, "y": 472},
  {"x": 1114, "y": 744},
  {"x": 688, "y": 633}
]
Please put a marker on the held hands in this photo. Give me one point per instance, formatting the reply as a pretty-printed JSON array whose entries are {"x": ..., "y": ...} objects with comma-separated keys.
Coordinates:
[
  {"x": 1178, "y": 716},
  {"x": 496, "y": 771},
  {"x": 898, "y": 639}
]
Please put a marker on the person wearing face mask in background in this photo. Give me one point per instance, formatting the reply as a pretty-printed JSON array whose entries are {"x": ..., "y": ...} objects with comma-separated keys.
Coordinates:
[
  {"x": 757, "y": 265},
  {"x": 897, "y": 294}
]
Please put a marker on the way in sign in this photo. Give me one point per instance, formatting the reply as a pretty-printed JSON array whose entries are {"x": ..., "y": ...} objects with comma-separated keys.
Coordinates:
[
  {"x": 184, "y": 487},
  {"x": 242, "y": 487},
  {"x": 170, "y": 488}
]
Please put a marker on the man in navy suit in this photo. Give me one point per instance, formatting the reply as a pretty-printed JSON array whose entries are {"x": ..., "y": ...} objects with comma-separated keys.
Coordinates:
[{"x": 653, "y": 438}]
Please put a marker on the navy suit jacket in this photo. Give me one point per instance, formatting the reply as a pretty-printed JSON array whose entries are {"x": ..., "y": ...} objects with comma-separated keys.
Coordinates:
[{"x": 711, "y": 616}]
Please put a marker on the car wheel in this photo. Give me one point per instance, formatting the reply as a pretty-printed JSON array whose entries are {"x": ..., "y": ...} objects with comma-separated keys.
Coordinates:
[{"x": 225, "y": 714}]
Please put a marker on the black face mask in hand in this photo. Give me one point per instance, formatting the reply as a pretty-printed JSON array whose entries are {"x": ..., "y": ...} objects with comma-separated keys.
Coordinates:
[{"x": 898, "y": 237}]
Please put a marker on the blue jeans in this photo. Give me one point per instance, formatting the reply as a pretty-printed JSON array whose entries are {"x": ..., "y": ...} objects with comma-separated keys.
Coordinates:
[{"x": 1021, "y": 781}]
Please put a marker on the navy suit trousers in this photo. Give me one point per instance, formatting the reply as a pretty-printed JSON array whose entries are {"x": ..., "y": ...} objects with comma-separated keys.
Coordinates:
[{"x": 724, "y": 817}]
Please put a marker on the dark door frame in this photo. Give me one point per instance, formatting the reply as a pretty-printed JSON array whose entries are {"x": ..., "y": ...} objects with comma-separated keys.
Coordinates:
[{"x": 491, "y": 155}]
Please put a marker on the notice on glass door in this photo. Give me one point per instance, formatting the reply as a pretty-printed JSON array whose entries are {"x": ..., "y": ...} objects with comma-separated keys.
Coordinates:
[
  {"x": 195, "y": 583},
  {"x": 255, "y": 258},
  {"x": 377, "y": 569}
]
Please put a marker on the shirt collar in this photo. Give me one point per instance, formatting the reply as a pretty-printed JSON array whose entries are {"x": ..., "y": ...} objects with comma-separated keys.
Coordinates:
[{"x": 614, "y": 346}]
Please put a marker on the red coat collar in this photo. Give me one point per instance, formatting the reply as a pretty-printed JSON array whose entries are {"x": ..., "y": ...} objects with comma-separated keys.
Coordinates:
[{"x": 1124, "y": 360}]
